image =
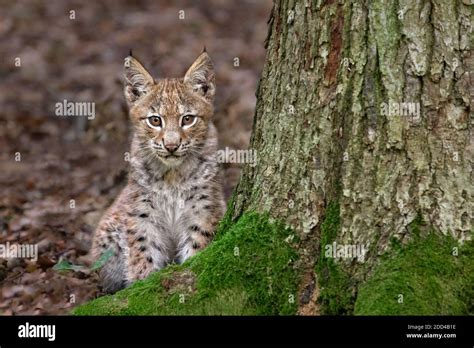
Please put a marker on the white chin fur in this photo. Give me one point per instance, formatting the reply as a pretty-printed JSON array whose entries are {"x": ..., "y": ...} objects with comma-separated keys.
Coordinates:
[{"x": 171, "y": 161}]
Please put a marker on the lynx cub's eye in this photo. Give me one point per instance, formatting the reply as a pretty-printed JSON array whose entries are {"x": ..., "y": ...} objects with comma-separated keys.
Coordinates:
[
  {"x": 188, "y": 121},
  {"x": 154, "y": 121}
]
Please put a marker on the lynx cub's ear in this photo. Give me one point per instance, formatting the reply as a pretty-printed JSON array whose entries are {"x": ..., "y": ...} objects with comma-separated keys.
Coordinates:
[
  {"x": 138, "y": 80},
  {"x": 200, "y": 76}
]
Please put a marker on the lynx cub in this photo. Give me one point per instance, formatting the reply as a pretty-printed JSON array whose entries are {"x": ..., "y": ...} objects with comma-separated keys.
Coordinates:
[{"x": 173, "y": 199}]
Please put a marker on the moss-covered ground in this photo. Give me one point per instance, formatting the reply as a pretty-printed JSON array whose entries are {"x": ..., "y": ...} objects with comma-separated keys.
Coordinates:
[{"x": 248, "y": 270}]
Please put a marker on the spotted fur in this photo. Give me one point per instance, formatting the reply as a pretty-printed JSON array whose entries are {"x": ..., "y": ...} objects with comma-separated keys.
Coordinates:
[{"x": 173, "y": 200}]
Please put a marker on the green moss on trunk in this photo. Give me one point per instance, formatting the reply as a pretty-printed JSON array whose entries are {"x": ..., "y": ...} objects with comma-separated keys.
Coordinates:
[
  {"x": 431, "y": 275},
  {"x": 335, "y": 294},
  {"x": 424, "y": 277},
  {"x": 249, "y": 270}
]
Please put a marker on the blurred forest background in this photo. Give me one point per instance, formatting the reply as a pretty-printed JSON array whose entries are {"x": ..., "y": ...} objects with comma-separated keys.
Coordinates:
[{"x": 47, "y": 161}]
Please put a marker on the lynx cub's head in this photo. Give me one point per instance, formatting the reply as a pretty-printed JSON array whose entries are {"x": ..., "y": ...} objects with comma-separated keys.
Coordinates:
[{"x": 170, "y": 116}]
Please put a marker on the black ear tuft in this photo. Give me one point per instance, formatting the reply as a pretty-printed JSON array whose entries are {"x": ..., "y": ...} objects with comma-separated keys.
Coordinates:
[
  {"x": 130, "y": 54},
  {"x": 138, "y": 80},
  {"x": 200, "y": 76}
]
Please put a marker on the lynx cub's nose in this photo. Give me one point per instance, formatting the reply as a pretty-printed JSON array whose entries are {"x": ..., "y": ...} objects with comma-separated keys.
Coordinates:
[{"x": 171, "y": 147}]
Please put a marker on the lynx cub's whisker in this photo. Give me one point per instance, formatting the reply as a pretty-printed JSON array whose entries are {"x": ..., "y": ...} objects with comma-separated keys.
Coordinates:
[{"x": 173, "y": 200}]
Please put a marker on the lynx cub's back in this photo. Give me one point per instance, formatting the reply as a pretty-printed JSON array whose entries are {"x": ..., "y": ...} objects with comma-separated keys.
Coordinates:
[{"x": 173, "y": 200}]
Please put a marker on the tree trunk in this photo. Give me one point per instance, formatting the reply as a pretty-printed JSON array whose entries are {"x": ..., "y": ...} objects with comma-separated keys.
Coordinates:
[
  {"x": 327, "y": 129},
  {"x": 362, "y": 131}
]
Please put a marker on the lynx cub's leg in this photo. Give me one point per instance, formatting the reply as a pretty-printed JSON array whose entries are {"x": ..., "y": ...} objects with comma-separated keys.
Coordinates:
[
  {"x": 149, "y": 246},
  {"x": 109, "y": 236},
  {"x": 137, "y": 244},
  {"x": 204, "y": 208},
  {"x": 199, "y": 234}
]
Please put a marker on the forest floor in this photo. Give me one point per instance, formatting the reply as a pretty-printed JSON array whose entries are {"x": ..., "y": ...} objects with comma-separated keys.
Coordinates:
[{"x": 58, "y": 175}]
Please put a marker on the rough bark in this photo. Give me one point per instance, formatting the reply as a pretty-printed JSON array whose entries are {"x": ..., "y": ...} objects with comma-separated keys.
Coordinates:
[{"x": 321, "y": 136}]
